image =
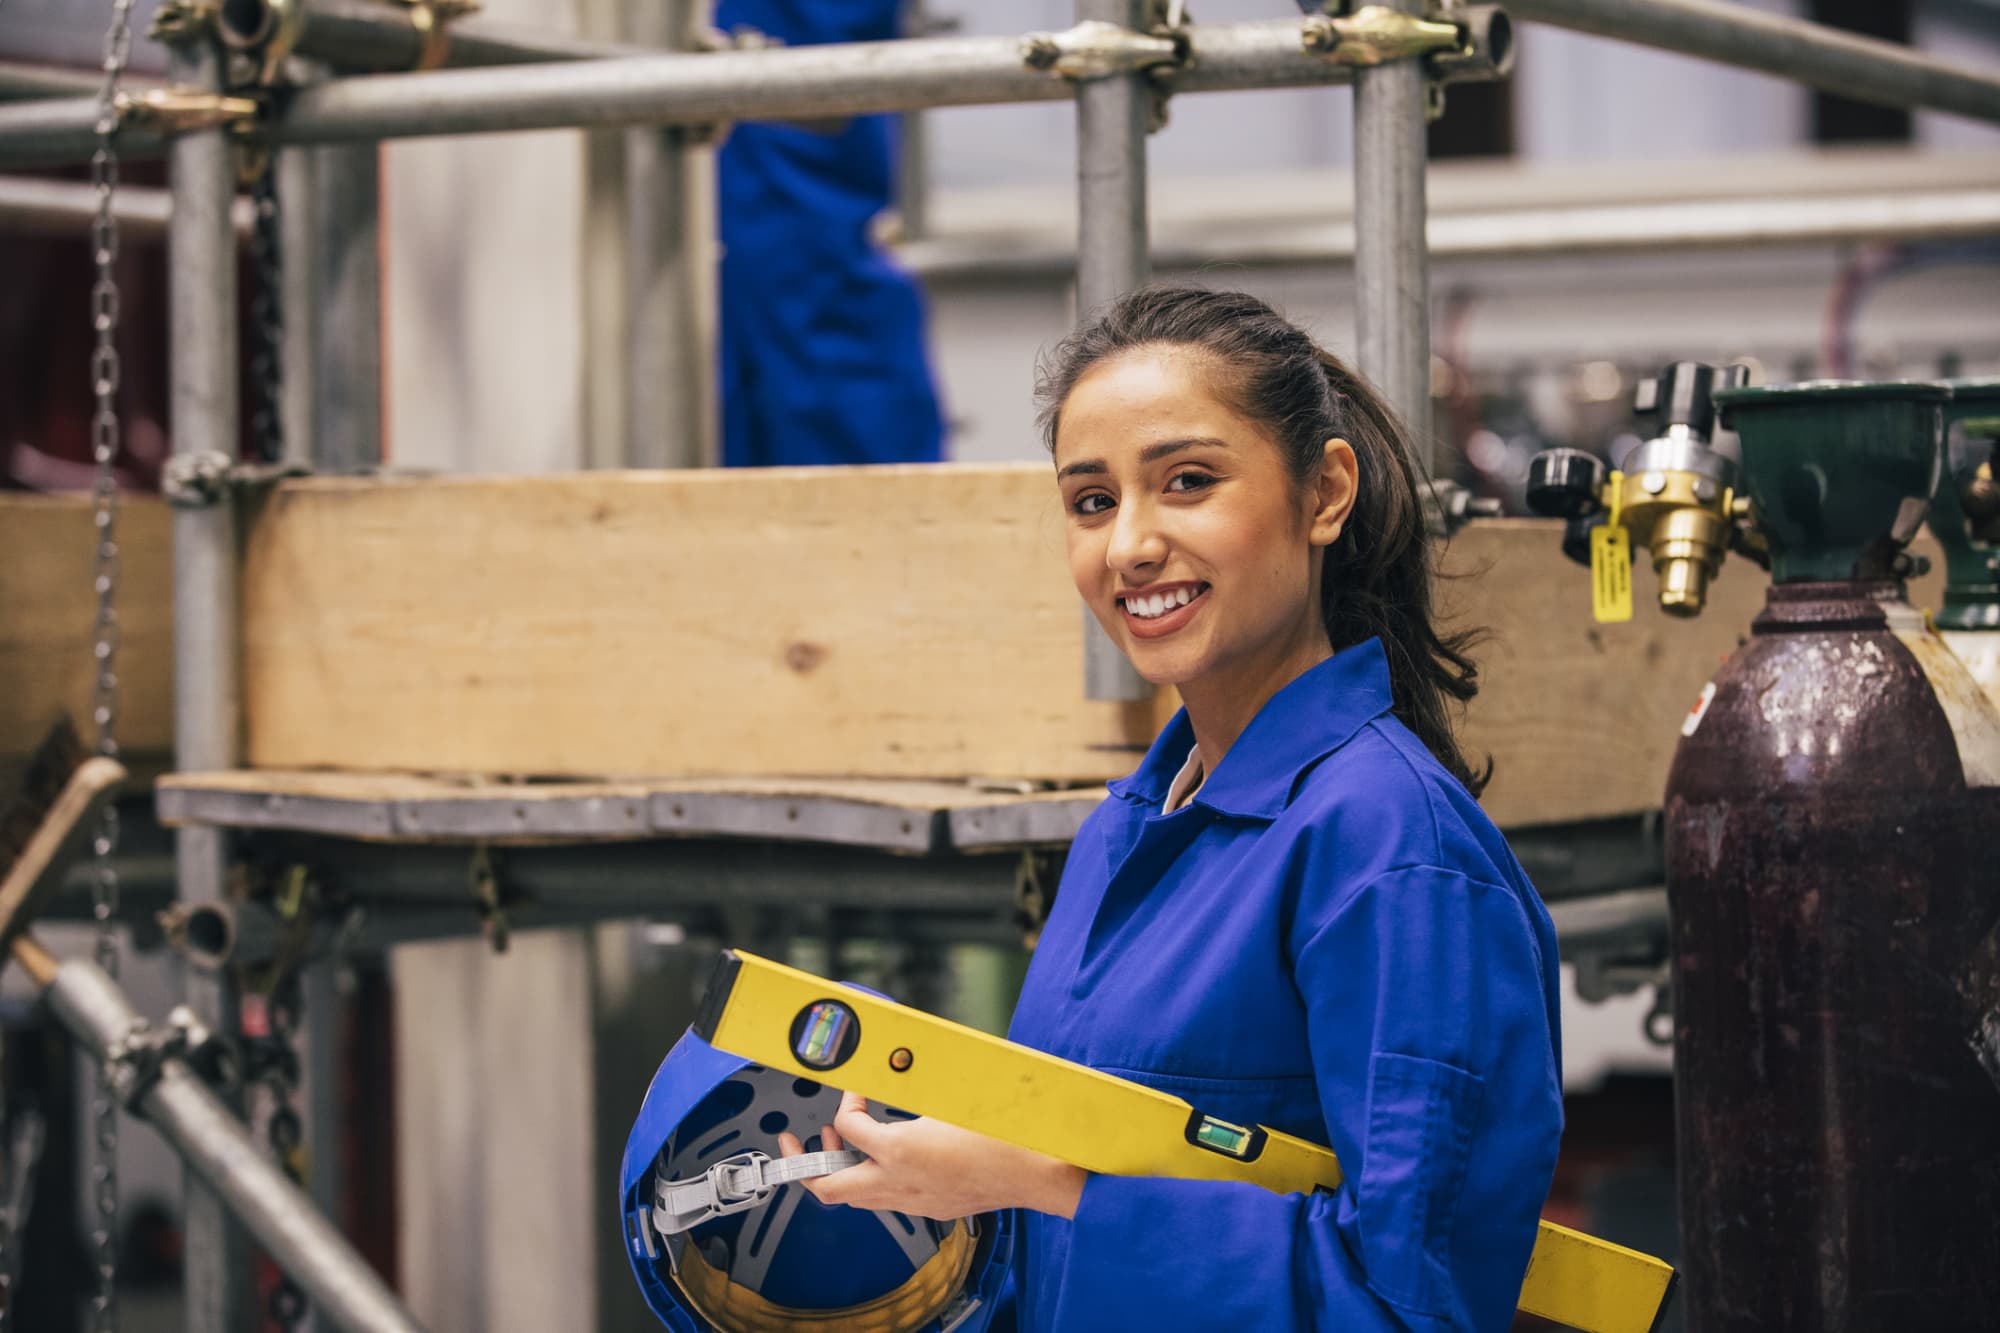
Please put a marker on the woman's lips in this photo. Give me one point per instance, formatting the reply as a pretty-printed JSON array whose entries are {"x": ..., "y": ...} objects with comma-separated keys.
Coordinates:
[{"x": 1154, "y": 627}]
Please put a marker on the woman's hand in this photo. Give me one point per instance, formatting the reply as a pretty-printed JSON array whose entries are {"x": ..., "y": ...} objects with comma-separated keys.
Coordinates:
[{"x": 927, "y": 1168}]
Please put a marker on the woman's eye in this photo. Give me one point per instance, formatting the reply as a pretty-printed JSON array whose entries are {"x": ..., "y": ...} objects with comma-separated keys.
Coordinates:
[
  {"x": 1190, "y": 481},
  {"x": 1093, "y": 502}
]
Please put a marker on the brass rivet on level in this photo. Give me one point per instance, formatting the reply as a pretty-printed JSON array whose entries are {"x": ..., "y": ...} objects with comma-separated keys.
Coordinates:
[{"x": 900, "y": 1059}]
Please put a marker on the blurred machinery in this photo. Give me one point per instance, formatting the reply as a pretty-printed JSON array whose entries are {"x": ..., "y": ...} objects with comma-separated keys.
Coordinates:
[
  {"x": 1835, "y": 940},
  {"x": 1966, "y": 518},
  {"x": 1676, "y": 494}
]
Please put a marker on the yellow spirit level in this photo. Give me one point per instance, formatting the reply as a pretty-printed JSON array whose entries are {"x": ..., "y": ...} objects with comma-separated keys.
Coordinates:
[{"x": 793, "y": 1021}]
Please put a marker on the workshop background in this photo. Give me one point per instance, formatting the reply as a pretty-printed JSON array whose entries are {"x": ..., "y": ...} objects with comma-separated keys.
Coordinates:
[{"x": 505, "y": 308}]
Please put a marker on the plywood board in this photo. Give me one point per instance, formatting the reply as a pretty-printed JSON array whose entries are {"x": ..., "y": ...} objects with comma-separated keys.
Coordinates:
[
  {"x": 891, "y": 623},
  {"x": 47, "y": 546}
]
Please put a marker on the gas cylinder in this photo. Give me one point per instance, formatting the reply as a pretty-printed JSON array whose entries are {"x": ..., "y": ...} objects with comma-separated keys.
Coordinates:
[
  {"x": 1832, "y": 819},
  {"x": 1966, "y": 520}
]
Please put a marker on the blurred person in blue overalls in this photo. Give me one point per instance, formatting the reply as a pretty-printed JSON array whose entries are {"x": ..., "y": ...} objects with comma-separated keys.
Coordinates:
[
  {"x": 822, "y": 336},
  {"x": 1294, "y": 913}
]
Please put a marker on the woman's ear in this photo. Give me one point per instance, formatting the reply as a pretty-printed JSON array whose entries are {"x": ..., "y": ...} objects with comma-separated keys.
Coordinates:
[{"x": 1334, "y": 492}]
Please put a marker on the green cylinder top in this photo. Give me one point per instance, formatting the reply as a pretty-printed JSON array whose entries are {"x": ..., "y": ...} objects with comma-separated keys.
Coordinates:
[
  {"x": 1972, "y": 569},
  {"x": 1841, "y": 472}
]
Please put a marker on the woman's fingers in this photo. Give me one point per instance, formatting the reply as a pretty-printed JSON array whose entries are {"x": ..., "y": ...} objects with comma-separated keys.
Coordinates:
[
  {"x": 855, "y": 1185},
  {"x": 853, "y": 1125}
]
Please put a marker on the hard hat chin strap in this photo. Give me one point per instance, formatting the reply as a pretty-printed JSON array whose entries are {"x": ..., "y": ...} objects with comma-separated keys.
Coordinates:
[{"x": 737, "y": 1183}]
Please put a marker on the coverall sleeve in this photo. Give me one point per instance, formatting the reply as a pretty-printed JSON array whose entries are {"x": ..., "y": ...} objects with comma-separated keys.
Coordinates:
[{"x": 1429, "y": 1012}]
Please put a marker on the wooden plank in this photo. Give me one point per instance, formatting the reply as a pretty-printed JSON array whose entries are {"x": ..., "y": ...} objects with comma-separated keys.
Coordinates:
[
  {"x": 47, "y": 546},
  {"x": 889, "y": 622},
  {"x": 1581, "y": 719},
  {"x": 893, "y": 623}
]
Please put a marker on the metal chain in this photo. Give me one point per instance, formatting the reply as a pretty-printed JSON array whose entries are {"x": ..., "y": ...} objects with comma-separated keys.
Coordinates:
[
  {"x": 267, "y": 313},
  {"x": 104, "y": 438},
  {"x": 285, "y": 1130}
]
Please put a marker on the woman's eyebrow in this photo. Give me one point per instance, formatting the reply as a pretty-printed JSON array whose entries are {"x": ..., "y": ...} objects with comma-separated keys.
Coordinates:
[{"x": 1152, "y": 453}]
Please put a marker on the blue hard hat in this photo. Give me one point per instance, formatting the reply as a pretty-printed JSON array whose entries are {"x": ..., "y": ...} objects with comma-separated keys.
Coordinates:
[{"x": 723, "y": 1238}]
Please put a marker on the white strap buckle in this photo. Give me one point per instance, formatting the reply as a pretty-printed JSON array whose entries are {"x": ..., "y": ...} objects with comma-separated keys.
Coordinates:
[{"x": 737, "y": 1183}]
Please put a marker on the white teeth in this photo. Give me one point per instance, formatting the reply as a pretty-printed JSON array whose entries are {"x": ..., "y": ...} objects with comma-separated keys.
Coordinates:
[{"x": 1147, "y": 608}]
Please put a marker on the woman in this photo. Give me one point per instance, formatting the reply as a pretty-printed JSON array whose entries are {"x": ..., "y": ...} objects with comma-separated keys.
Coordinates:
[{"x": 1294, "y": 913}]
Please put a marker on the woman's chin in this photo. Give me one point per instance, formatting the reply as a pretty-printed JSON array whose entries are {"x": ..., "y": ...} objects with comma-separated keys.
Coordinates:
[{"x": 1162, "y": 665}]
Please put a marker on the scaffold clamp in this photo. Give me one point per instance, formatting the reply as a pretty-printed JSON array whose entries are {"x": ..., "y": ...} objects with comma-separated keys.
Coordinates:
[
  {"x": 133, "y": 1062},
  {"x": 1094, "y": 49},
  {"x": 196, "y": 480},
  {"x": 183, "y": 110},
  {"x": 1377, "y": 35}
]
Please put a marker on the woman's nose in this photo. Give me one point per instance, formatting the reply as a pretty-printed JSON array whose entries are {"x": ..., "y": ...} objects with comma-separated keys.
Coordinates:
[{"x": 1136, "y": 540}]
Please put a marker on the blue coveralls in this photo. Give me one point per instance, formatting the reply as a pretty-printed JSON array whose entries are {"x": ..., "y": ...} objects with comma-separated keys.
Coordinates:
[
  {"x": 1330, "y": 939},
  {"x": 822, "y": 339}
]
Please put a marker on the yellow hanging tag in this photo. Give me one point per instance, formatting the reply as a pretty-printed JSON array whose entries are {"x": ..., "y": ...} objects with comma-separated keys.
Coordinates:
[{"x": 1611, "y": 561}]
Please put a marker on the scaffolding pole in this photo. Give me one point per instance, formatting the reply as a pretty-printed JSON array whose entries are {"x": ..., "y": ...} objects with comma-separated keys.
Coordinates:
[
  {"x": 201, "y": 250},
  {"x": 1864, "y": 68},
  {"x": 699, "y": 89},
  {"x": 232, "y": 1167},
  {"x": 671, "y": 414},
  {"x": 1392, "y": 285},
  {"x": 1113, "y": 115},
  {"x": 357, "y": 35}
]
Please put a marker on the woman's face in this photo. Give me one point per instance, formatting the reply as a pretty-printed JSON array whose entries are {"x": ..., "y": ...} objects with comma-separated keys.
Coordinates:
[{"x": 1188, "y": 539}]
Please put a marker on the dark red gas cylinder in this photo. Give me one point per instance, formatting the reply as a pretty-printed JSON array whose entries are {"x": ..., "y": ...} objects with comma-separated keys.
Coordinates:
[{"x": 1833, "y": 866}]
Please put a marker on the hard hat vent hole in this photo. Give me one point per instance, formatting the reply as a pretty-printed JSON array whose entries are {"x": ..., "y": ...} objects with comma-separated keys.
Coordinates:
[
  {"x": 805, "y": 1087},
  {"x": 775, "y": 1122}
]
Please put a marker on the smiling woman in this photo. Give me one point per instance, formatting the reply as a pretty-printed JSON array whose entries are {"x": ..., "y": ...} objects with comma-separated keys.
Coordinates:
[
  {"x": 1213, "y": 395},
  {"x": 1294, "y": 914}
]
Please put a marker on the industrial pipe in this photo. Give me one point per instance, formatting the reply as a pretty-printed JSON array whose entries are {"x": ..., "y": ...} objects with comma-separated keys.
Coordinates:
[
  {"x": 784, "y": 84},
  {"x": 216, "y": 1146},
  {"x": 1864, "y": 68}
]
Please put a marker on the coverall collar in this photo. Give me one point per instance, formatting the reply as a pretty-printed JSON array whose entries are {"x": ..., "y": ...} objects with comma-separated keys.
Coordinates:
[{"x": 1303, "y": 722}]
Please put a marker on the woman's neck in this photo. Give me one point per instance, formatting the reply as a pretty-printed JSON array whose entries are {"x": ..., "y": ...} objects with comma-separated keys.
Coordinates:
[{"x": 1222, "y": 703}]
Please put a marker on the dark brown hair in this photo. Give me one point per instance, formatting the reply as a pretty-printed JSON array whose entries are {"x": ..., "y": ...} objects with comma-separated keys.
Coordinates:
[{"x": 1376, "y": 577}]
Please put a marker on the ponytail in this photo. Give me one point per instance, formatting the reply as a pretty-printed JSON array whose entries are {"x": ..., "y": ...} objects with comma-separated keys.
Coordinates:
[{"x": 1377, "y": 576}]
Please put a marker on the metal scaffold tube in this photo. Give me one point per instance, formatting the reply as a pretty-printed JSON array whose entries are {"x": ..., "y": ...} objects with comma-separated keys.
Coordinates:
[
  {"x": 671, "y": 413},
  {"x": 201, "y": 249},
  {"x": 1863, "y": 68},
  {"x": 355, "y": 35},
  {"x": 1113, "y": 115},
  {"x": 230, "y": 1163},
  {"x": 804, "y": 83},
  {"x": 1391, "y": 261}
]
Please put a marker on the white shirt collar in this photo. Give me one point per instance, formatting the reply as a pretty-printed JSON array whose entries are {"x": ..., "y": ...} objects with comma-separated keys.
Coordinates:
[{"x": 1185, "y": 784}]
